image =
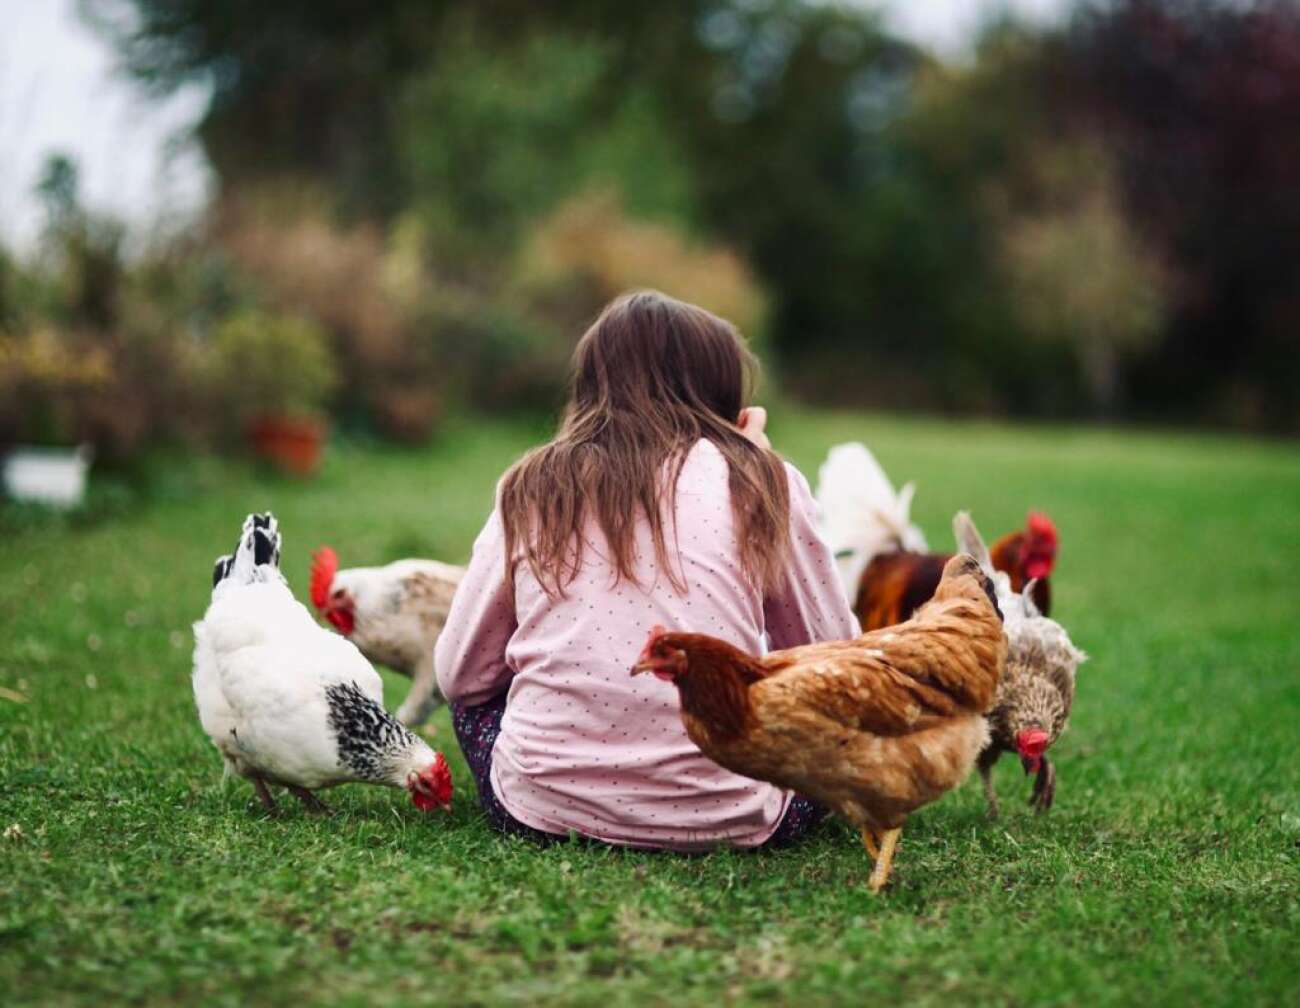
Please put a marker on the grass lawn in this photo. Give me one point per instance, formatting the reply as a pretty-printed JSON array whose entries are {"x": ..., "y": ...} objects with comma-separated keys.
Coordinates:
[{"x": 1166, "y": 873}]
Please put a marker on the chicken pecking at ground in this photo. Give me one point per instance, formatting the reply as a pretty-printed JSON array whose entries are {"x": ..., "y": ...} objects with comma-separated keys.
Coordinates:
[
  {"x": 394, "y": 614},
  {"x": 287, "y": 702},
  {"x": 873, "y": 728},
  {"x": 1036, "y": 692},
  {"x": 881, "y": 556}
]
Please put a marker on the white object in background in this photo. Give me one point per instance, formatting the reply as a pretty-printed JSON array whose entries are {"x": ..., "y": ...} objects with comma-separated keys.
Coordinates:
[{"x": 54, "y": 476}]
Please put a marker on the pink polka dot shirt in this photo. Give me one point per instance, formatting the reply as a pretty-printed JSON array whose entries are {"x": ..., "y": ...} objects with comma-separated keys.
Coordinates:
[{"x": 584, "y": 745}]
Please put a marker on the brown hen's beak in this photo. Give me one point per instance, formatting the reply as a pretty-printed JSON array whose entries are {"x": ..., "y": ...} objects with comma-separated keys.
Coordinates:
[{"x": 643, "y": 665}]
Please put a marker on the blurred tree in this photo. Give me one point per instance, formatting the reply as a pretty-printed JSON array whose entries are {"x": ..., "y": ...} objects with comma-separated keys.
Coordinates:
[
  {"x": 85, "y": 250},
  {"x": 297, "y": 87},
  {"x": 784, "y": 110},
  {"x": 1202, "y": 102},
  {"x": 944, "y": 330},
  {"x": 1076, "y": 272},
  {"x": 495, "y": 134},
  {"x": 57, "y": 189},
  {"x": 8, "y": 293},
  {"x": 589, "y": 251},
  {"x": 891, "y": 205},
  {"x": 772, "y": 112}
]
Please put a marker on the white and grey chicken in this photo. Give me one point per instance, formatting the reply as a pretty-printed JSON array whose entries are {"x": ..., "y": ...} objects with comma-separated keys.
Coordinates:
[
  {"x": 1036, "y": 691},
  {"x": 861, "y": 515},
  {"x": 394, "y": 614},
  {"x": 287, "y": 702}
]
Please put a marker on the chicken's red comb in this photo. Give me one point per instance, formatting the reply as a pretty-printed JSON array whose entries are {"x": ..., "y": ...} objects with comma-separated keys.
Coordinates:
[
  {"x": 324, "y": 564},
  {"x": 1031, "y": 742},
  {"x": 1042, "y": 527}
]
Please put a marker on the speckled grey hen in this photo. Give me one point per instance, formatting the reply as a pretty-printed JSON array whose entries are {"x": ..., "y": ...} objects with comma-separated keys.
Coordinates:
[
  {"x": 1036, "y": 691},
  {"x": 393, "y": 614}
]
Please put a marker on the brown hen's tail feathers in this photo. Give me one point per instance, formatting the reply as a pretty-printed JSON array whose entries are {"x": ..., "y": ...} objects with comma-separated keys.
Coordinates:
[
  {"x": 967, "y": 564},
  {"x": 970, "y": 541},
  {"x": 951, "y": 644}
]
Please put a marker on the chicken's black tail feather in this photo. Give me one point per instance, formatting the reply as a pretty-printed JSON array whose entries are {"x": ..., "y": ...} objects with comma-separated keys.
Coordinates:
[
  {"x": 259, "y": 547},
  {"x": 222, "y": 569}
]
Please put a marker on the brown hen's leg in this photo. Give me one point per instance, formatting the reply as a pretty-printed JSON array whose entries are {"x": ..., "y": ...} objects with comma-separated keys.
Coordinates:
[
  {"x": 310, "y": 802},
  {"x": 268, "y": 802},
  {"x": 871, "y": 842},
  {"x": 885, "y": 862},
  {"x": 990, "y": 795},
  {"x": 987, "y": 759}
]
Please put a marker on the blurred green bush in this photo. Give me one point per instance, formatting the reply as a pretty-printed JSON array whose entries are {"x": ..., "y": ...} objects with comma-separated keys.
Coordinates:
[{"x": 271, "y": 365}]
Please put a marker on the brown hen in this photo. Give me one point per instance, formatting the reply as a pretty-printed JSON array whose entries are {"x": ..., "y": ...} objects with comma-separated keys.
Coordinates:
[{"x": 873, "y": 728}]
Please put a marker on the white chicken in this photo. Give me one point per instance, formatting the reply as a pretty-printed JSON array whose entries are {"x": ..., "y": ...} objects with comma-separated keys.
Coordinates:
[
  {"x": 394, "y": 614},
  {"x": 287, "y": 702},
  {"x": 861, "y": 515}
]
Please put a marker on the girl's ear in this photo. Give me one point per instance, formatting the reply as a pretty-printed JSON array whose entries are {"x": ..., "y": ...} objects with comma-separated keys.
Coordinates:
[{"x": 751, "y": 422}]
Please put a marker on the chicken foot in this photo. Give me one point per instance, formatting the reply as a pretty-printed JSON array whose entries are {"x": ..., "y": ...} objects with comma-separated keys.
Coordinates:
[
  {"x": 309, "y": 801},
  {"x": 884, "y": 860},
  {"x": 871, "y": 842},
  {"x": 424, "y": 698},
  {"x": 264, "y": 793},
  {"x": 1044, "y": 787}
]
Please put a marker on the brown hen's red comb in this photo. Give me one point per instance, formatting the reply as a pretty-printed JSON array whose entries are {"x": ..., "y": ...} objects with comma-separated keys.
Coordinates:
[{"x": 324, "y": 564}]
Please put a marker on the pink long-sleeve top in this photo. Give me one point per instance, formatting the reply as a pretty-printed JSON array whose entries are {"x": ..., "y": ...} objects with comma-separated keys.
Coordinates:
[{"x": 584, "y": 745}]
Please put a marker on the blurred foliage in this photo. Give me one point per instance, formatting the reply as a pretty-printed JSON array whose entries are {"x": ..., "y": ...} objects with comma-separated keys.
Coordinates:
[
  {"x": 88, "y": 351},
  {"x": 272, "y": 365},
  {"x": 1200, "y": 100},
  {"x": 1100, "y": 218},
  {"x": 45, "y": 375},
  {"x": 350, "y": 280},
  {"x": 589, "y": 251},
  {"x": 1076, "y": 273},
  {"x": 514, "y": 136}
]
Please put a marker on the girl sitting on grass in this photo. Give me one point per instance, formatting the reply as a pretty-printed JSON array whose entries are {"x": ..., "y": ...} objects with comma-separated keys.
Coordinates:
[{"x": 658, "y": 502}]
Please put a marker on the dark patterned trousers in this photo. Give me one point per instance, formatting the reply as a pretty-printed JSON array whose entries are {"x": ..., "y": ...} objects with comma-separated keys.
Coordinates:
[{"x": 477, "y": 729}]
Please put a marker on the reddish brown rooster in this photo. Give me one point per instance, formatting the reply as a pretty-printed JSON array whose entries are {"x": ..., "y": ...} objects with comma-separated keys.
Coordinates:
[
  {"x": 881, "y": 556},
  {"x": 895, "y": 584},
  {"x": 873, "y": 728}
]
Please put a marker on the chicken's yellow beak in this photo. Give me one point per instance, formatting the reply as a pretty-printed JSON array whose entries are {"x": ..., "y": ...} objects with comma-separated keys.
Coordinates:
[{"x": 665, "y": 667}]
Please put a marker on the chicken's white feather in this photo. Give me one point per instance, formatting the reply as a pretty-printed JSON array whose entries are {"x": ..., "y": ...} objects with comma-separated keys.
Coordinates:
[
  {"x": 861, "y": 514},
  {"x": 264, "y": 679},
  {"x": 398, "y": 611}
]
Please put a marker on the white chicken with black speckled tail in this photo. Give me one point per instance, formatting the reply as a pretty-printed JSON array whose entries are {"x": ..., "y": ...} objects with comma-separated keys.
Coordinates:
[{"x": 288, "y": 703}]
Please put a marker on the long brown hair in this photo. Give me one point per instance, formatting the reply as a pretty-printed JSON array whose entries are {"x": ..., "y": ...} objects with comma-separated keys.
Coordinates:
[{"x": 651, "y": 377}]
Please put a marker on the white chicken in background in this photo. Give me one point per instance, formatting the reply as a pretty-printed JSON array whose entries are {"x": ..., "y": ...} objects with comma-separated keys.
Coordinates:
[
  {"x": 287, "y": 702},
  {"x": 394, "y": 614},
  {"x": 861, "y": 515}
]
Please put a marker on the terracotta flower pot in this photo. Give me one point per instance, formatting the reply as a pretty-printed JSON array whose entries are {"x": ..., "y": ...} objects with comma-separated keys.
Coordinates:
[{"x": 293, "y": 443}]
